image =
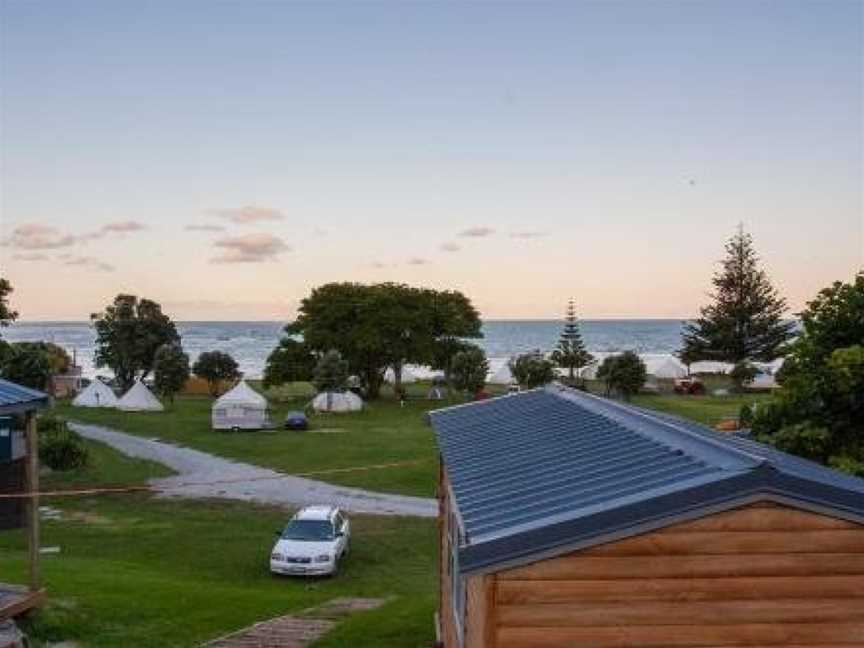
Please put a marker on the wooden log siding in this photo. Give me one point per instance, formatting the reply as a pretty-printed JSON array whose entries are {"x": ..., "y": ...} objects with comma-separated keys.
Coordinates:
[{"x": 763, "y": 575}]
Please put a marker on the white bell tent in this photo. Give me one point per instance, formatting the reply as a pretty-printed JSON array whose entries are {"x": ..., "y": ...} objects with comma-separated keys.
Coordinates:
[
  {"x": 337, "y": 402},
  {"x": 139, "y": 399},
  {"x": 240, "y": 408},
  {"x": 96, "y": 394}
]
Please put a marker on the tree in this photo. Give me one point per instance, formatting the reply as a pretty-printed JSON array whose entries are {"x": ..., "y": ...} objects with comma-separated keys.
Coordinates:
[
  {"x": 744, "y": 322},
  {"x": 216, "y": 367},
  {"x": 469, "y": 368},
  {"x": 7, "y": 315},
  {"x": 742, "y": 374},
  {"x": 382, "y": 325},
  {"x": 331, "y": 373},
  {"x": 818, "y": 411},
  {"x": 624, "y": 374},
  {"x": 128, "y": 333},
  {"x": 170, "y": 370},
  {"x": 444, "y": 352},
  {"x": 532, "y": 370},
  {"x": 28, "y": 365},
  {"x": 571, "y": 353},
  {"x": 290, "y": 361}
]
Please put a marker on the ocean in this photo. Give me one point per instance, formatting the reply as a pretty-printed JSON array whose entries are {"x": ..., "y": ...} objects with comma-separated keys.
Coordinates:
[{"x": 250, "y": 342}]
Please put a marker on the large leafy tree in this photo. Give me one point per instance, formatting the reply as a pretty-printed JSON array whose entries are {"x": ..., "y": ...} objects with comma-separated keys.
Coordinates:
[
  {"x": 216, "y": 367},
  {"x": 27, "y": 364},
  {"x": 819, "y": 409},
  {"x": 382, "y": 325},
  {"x": 570, "y": 353},
  {"x": 170, "y": 370},
  {"x": 745, "y": 321},
  {"x": 290, "y": 361},
  {"x": 7, "y": 315},
  {"x": 128, "y": 333}
]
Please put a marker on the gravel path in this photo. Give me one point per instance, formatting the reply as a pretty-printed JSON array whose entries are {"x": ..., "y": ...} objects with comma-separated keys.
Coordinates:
[{"x": 197, "y": 469}]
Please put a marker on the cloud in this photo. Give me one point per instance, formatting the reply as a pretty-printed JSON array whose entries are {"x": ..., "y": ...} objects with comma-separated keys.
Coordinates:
[
  {"x": 252, "y": 248},
  {"x": 37, "y": 256},
  {"x": 450, "y": 247},
  {"x": 38, "y": 237},
  {"x": 205, "y": 228},
  {"x": 417, "y": 261},
  {"x": 477, "y": 232},
  {"x": 119, "y": 227},
  {"x": 249, "y": 214},
  {"x": 528, "y": 235},
  {"x": 88, "y": 263}
]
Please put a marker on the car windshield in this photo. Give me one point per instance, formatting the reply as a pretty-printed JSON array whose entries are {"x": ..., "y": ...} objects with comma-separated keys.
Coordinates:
[{"x": 308, "y": 530}]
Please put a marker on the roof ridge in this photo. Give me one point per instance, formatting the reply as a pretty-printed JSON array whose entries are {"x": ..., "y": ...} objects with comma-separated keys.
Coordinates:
[{"x": 684, "y": 439}]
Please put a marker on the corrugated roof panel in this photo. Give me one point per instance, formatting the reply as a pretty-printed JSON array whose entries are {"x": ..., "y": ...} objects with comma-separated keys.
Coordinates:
[
  {"x": 562, "y": 458},
  {"x": 18, "y": 398}
]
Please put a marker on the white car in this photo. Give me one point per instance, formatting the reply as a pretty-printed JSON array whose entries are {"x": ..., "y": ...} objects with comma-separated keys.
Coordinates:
[{"x": 312, "y": 543}]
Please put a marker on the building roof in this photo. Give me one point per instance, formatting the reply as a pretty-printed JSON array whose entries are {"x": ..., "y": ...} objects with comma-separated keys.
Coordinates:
[
  {"x": 551, "y": 470},
  {"x": 315, "y": 512},
  {"x": 16, "y": 399}
]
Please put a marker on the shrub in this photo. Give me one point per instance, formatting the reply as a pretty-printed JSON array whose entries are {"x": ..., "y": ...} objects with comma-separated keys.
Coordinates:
[
  {"x": 468, "y": 370},
  {"x": 331, "y": 372},
  {"x": 624, "y": 374},
  {"x": 59, "y": 447},
  {"x": 532, "y": 370}
]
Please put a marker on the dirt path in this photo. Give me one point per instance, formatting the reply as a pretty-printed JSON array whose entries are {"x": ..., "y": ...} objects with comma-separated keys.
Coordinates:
[{"x": 197, "y": 470}]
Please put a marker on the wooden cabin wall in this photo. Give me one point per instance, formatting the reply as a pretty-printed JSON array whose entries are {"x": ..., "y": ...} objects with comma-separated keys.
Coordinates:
[
  {"x": 761, "y": 575},
  {"x": 449, "y": 636}
]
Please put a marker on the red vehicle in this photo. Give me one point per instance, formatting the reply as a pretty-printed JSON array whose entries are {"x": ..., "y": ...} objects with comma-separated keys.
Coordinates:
[{"x": 691, "y": 386}]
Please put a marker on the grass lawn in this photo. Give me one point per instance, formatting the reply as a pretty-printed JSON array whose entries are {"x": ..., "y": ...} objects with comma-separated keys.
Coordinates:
[
  {"x": 138, "y": 571},
  {"x": 704, "y": 409},
  {"x": 383, "y": 433}
]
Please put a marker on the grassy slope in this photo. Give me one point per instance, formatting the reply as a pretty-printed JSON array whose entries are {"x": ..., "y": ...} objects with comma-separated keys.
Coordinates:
[{"x": 138, "y": 571}]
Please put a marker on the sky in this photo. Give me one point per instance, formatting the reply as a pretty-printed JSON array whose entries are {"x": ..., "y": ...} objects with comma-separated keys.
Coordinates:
[{"x": 223, "y": 158}]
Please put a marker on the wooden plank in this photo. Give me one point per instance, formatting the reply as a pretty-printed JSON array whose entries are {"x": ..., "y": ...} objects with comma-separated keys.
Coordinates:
[
  {"x": 764, "y": 519},
  {"x": 511, "y": 592},
  {"x": 480, "y": 622},
  {"x": 842, "y": 634},
  {"x": 723, "y": 613},
  {"x": 731, "y": 542},
  {"x": 580, "y": 567}
]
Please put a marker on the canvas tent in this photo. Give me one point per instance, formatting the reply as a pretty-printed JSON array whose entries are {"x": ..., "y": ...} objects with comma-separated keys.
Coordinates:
[
  {"x": 499, "y": 374},
  {"x": 240, "y": 408},
  {"x": 337, "y": 402},
  {"x": 663, "y": 365},
  {"x": 408, "y": 376},
  {"x": 96, "y": 394},
  {"x": 139, "y": 399}
]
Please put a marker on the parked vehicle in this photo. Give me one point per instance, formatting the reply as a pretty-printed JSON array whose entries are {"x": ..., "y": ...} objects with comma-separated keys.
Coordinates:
[
  {"x": 689, "y": 385},
  {"x": 313, "y": 543},
  {"x": 296, "y": 421}
]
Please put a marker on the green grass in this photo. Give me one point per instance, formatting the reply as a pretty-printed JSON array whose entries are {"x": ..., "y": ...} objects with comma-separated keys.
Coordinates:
[
  {"x": 381, "y": 434},
  {"x": 703, "y": 409}
]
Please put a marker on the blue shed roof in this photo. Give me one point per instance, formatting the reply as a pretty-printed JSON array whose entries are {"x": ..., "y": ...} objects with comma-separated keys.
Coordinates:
[
  {"x": 15, "y": 398},
  {"x": 554, "y": 469}
]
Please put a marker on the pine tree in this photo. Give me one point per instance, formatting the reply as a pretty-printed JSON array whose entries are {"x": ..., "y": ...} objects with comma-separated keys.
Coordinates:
[
  {"x": 570, "y": 353},
  {"x": 745, "y": 322}
]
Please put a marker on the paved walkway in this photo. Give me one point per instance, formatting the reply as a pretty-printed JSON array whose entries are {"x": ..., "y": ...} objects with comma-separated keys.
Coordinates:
[{"x": 241, "y": 481}]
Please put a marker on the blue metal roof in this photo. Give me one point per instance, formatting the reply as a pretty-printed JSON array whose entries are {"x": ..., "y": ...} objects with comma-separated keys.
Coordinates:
[
  {"x": 555, "y": 468},
  {"x": 15, "y": 398}
]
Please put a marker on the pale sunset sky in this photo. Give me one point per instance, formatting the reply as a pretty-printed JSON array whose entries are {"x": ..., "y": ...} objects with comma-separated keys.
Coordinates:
[{"x": 223, "y": 158}]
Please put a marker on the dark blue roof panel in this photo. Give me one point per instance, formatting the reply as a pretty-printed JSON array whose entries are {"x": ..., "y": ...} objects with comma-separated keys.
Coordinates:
[
  {"x": 15, "y": 398},
  {"x": 554, "y": 466}
]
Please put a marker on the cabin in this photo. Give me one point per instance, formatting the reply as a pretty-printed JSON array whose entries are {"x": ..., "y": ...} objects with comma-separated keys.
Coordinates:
[
  {"x": 19, "y": 476},
  {"x": 566, "y": 519}
]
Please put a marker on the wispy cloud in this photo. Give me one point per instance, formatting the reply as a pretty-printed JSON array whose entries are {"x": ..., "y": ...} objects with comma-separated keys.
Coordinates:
[
  {"x": 477, "y": 232},
  {"x": 528, "y": 235},
  {"x": 450, "y": 247},
  {"x": 35, "y": 256},
  {"x": 205, "y": 228},
  {"x": 35, "y": 236},
  {"x": 248, "y": 214},
  {"x": 88, "y": 263},
  {"x": 417, "y": 261},
  {"x": 252, "y": 248},
  {"x": 118, "y": 227}
]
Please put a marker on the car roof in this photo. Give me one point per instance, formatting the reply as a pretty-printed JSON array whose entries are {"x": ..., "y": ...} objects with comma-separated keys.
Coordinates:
[{"x": 320, "y": 512}]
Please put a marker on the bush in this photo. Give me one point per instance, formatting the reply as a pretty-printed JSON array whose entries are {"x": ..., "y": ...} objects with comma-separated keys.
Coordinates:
[
  {"x": 532, "y": 370},
  {"x": 331, "y": 373},
  {"x": 742, "y": 374},
  {"x": 59, "y": 447},
  {"x": 624, "y": 374},
  {"x": 468, "y": 370}
]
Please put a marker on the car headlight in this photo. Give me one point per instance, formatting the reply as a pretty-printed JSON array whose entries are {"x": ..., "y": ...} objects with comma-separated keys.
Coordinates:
[
  {"x": 322, "y": 558},
  {"x": 275, "y": 556}
]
